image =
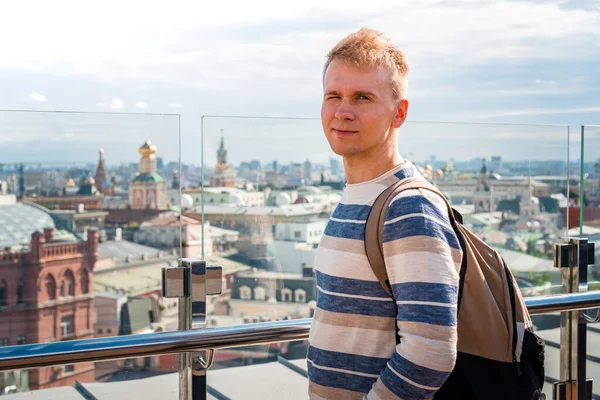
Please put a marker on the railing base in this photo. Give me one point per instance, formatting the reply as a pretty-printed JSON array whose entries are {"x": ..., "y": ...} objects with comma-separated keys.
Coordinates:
[{"x": 568, "y": 391}]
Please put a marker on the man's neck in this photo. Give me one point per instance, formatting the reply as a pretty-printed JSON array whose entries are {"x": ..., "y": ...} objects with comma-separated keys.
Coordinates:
[{"x": 365, "y": 169}]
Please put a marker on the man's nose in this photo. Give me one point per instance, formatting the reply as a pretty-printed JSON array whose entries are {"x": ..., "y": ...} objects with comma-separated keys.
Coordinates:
[{"x": 344, "y": 112}]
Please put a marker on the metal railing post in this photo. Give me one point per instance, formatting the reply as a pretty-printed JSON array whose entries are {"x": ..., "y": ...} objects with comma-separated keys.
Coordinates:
[
  {"x": 573, "y": 256},
  {"x": 191, "y": 282}
]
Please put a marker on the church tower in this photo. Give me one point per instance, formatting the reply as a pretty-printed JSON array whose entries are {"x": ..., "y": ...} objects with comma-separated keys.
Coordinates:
[{"x": 148, "y": 187}]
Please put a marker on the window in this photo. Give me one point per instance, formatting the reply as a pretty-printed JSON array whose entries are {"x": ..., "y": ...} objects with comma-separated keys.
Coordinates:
[
  {"x": 286, "y": 295},
  {"x": 50, "y": 284},
  {"x": 297, "y": 235},
  {"x": 3, "y": 342},
  {"x": 62, "y": 288},
  {"x": 70, "y": 283},
  {"x": 85, "y": 281},
  {"x": 245, "y": 293},
  {"x": 3, "y": 294},
  {"x": 259, "y": 293},
  {"x": 100, "y": 331},
  {"x": 69, "y": 368},
  {"x": 300, "y": 295},
  {"x": 21, "y": 340},
  {"x": 108, "y": 331},
  {"x": 20, "y": 294},
  {"x": 67, "y": 327}
]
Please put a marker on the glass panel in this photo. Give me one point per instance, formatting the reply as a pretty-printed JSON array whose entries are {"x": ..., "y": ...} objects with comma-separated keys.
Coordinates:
[
  {"x": 272, "y": 183},
  {"x": 274, "y": 371},
  {"x": 589, "y": 227},
  {"x": 589, "y": 213},
  {"x": 85, "y": 196}
]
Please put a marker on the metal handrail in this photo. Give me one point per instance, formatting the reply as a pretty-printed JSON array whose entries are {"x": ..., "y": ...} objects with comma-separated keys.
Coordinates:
[{"x": 151, "y": 344}]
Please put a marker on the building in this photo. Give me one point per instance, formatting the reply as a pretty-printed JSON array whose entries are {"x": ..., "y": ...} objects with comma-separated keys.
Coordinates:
[
  {"x": 223, "y": 174},
  {"x": 148, "y": 188},
  {"x": 45, "y": 292},
  {"x": 263, "y": 295},
  {"x": 67, "y": 202},
  {"x": 220, "y": 195},
  {"x": 307, "y": 232},
  {"x": 170, "y": 230}
]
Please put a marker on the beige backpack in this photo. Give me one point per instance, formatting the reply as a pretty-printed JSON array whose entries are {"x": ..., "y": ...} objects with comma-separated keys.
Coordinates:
[{"x": 498, "y": 354}]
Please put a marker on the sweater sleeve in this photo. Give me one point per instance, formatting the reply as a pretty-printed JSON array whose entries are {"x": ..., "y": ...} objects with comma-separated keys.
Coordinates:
[{"x": 423, "y": 257}]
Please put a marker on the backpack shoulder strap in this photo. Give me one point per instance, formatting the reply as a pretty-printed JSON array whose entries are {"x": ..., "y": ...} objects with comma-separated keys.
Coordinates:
[{"x": 376, "y": 219}]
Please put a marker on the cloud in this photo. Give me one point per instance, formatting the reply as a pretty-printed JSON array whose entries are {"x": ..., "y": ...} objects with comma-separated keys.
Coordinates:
[
  {"x": 174, "y": 106},
  {"x": 117, "y": 103},
  {"x": 140, "y": 105},
  {"x": 37, "y": 97}
]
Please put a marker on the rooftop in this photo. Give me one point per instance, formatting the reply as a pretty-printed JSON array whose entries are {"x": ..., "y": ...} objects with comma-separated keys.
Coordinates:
[
  {"x": 124, "y": 252},
  {"x": 19, "y": 221},
  {"x": 153, "y": 177},
  {"x": 290, "y": 210}
]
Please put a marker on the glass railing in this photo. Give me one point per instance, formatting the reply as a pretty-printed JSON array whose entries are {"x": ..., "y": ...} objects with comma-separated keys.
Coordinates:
[
  {"x": 252, "y": 195},
  {"x": 588, "y": 224},
  {"x": 273, "y": 183},
  {"x": 88, "y": 216}
]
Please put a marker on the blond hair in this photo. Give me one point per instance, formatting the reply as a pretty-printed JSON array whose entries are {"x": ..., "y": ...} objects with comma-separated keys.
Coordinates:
[{"x": 368, "y": 48}]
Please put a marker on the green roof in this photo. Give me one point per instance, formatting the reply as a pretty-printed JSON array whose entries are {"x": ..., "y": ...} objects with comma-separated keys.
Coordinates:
[{"x": 145, "y": 178}]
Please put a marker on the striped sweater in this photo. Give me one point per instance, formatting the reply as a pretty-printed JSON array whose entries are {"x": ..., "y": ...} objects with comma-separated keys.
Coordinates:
[{"x": 352, "y": 345}]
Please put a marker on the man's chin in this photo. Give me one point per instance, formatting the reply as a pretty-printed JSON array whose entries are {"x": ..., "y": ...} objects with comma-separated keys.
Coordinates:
[{"x": 344, "y": 152}]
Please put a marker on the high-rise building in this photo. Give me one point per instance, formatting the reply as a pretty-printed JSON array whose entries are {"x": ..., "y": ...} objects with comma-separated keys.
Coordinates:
[
  {"x": 496, "y": 164},
  {"x": 334, "y": 166},
  {"x": 148, "y": 187},
  {"x": 307, "y": 171}
]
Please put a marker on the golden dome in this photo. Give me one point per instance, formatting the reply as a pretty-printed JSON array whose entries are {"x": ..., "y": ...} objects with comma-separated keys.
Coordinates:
[
  {"x": 101, "y": 151},
  {"x": 147, "y": 150},
  {"x": 71, "y": 183}
]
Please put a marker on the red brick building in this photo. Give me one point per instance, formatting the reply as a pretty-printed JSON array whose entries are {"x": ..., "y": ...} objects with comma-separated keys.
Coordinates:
[{"x": 46, "y": 295}]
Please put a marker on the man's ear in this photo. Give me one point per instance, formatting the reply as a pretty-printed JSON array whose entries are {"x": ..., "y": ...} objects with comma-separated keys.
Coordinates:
[{"x": 401, "y": 113}]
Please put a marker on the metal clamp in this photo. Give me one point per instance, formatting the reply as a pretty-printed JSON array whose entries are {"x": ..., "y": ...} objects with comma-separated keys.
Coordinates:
[{"x": 191, "y": 282}]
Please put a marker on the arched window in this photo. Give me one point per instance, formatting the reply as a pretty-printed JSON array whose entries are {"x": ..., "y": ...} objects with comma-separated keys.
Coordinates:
[
  {"x": 62, "y": 288},
  {"x": 50, "y": 284},
  {"x": 259, "y": 293},
  {"x": 3, "y": 293},
  {"x": 286, "y": 295},
  {"x": 85, "y": 281},
  {"x": 245, "y": 293},
  {"x": 70, "y": 279},
  {"x": 20, "y": 293},
  {"x": 300, "y": 296}
]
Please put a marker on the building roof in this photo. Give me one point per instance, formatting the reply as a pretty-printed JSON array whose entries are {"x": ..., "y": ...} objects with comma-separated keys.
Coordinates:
[
  {"x": 520, "y": 262},
  {"x": 130, "y": 281},
  {"x": 138, "y": 311},
  {"x": 290, "y": 210},
  {"x": 19, "y": 221},
  {"x": 146, "y": 276},
  {"x": 124, "y": 252},
  {"x": 145, "y": 178},
  {"x": 170, "y": 219}
]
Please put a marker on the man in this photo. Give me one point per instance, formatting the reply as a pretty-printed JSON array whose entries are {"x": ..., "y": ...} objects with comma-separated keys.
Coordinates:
[{"x": 353, "y": 351}]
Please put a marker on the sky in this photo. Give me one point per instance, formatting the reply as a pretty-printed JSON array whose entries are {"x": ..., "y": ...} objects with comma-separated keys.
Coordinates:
[{"x": 472, "y": 61}]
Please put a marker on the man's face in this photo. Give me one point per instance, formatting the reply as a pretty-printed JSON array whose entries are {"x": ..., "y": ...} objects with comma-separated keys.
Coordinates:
[{"x": 359, "y": 113}]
